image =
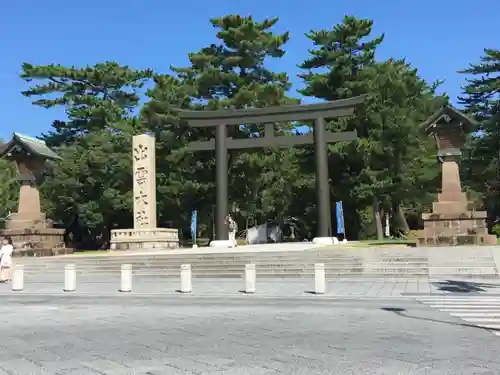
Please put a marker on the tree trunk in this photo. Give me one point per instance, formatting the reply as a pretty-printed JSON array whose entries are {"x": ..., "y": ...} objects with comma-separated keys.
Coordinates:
[
  {"x": 378, "y": 220},
  {"x": 400, "y": 219}
]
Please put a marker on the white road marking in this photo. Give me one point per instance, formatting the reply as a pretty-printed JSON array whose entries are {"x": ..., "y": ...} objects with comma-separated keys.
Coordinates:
[
  {"x": 467, "y": 313},
  {"x": 465, "y": 306},
  {"x": 479, "y": 311}
]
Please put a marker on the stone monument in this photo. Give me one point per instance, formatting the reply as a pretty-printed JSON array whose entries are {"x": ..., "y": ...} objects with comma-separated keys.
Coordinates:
[
  {"x": 453, "y": 220},
  {"x": 29, "y": 228},
  {"x": 145, "y": 234}
]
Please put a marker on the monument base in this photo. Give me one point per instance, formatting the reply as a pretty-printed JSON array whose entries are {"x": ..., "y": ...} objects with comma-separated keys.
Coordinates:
[
  {"x": 43, "y": 252},
  {"x": 458, "y": 240},
  {"x": 222, "y": 243},
  {"x": 326, "y": 241},
  {"x": 37, "y": 242},
  {"x": 453, "y": 229},
  {"x": 27, "y": 220},
  {"x": 136, "y": 239}
]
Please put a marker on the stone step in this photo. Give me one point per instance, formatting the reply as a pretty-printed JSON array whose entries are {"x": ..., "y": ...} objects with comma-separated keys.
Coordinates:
[
  {"x": 283, "y": 270},
  {"x": 287, "y": 275},
  {"x": 269, "y": 264},
  {"x": 297, "y": 272},
  {"x": 128, "y": 259},
  {"x": 235, "y": 265},
  {"x": 329, "y": 271},
  {"x": 263, "y": 264},
  {"x": 333, "y": 270},
  {"x": 260, "y": 262},
  {"x": 242, "y": 260},
  {"x": 471, "y": 272},
  {"x": 176, "y": 265},
  {"x": 263, "y": 277},
  {"x": 276, "y": 273},
  {"x": 250, "y": 260},
  {"x": 196, "y": 260},
  {"x": 345, "y": 262},
  {"x": 306, "y": 254},
  {"x": 196, "y": 269}
]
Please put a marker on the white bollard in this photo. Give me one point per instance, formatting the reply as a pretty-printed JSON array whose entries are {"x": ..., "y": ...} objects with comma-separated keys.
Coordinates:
[
  {"x": 186, "y": 285},
  {"x": 18, "y": 278},
  {"x": 319, "y": 278},
  {"x": 250, "y": 276},
  {"x": 69, "y": 278},
  {"x": 126, "y": 278}
]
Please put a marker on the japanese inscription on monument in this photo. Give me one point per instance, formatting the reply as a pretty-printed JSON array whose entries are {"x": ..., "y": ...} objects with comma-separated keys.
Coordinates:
[{"x": 144, "y": 167}]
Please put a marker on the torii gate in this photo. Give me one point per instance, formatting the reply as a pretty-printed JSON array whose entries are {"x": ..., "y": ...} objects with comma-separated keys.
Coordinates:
[{"x": 268, "y": 116}]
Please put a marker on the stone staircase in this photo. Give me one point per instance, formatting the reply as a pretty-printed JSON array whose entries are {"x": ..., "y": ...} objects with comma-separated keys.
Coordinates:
[
  {"x": 475, "y": 262},
  {"x": 339, "y": 263}
]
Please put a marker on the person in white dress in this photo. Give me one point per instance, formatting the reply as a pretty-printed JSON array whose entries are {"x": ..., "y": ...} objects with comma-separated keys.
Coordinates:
[
  {"x": 232, "y": 229},
  {"x": 6, "y": 259}
]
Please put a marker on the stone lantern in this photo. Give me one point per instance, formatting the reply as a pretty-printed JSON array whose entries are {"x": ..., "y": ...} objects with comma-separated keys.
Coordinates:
[
  {"x": 452, "y": 222},
  {"x": 29, "y": 227}
]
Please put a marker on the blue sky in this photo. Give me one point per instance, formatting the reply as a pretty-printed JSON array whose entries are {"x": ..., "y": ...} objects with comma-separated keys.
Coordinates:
[{"x": 438, "y": 37}]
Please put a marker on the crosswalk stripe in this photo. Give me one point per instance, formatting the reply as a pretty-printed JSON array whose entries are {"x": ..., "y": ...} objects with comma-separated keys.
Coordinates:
[
  {"x": 478, "y": 311},
  {"x": 461, "y": 303},
  {"x": 473, "y": 300},
  {"x": 460, "y": 311},
  {"x": 479, "y": 320},
  {"x": 442, "y": 297},
  {"x": 464, "y": 306},
  {"x": 491, "y": 326},
  {"x": 448, "y": 297}
]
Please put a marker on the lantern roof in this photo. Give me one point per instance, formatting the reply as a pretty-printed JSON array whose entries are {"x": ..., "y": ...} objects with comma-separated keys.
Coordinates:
[
  {"x": 30, "y": 145},
  {"x": 451, "y": 116}
]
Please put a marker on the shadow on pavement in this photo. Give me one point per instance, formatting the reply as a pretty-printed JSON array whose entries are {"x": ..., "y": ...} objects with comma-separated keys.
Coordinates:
[{"x": 455, "y": 286}]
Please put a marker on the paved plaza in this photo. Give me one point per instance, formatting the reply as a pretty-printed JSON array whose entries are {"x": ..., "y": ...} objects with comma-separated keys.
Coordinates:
[
  {"x": 360, "y": 326},
  {"x": 189, "y": 334}
]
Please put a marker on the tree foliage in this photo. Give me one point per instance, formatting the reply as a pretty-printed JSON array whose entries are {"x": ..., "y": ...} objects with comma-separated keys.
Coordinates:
[
  {"x": 391, "y": 169},
  {"x": 233, "y": 74},
  {"x": 94, "y": 180},
  {"x": 378, "y": 171},
  {"x": 9, "y": 190},
  {"x": 481, "y": 98}
]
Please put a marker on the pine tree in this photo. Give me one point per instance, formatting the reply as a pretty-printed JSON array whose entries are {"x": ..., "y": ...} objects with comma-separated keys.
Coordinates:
[
  {"x": 333, "y": 71},
  {"x": 232, "y": 73},
  {"x": 94, "y": 179},
  {"x": 346, "y": 50},
  {"x": 9, "y": 189},
  {"x": 184, "y": 179},
  {"x": 94, "y": 97},
  {"x": 369, "y": 174},
  {"x": 481, "y": 98}
]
